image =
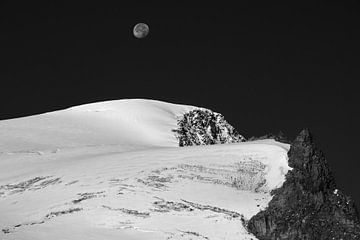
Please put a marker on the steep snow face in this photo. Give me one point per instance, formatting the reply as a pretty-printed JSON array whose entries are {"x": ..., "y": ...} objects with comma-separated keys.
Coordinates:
[
  {"x": 93, "y": 172},
  {"x": 127, "y": 123}
]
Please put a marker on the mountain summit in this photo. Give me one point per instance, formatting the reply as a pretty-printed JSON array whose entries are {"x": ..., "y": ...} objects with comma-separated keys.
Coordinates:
[{"x": 128, "y": 123}]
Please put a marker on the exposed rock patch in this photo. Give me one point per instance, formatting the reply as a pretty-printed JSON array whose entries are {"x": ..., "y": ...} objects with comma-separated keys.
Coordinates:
[
  {"x": 49, "y": 216},
  {"x": 33, "y": 184},
  {"x": 201, "y": 207},
  {"x": 87, "y": 196},
  {"x": 129, "y": 211},
  {"x": 62, "y": 212},
  {"x": 204, "y": 127},
  {"x": 167, "y": 206}
]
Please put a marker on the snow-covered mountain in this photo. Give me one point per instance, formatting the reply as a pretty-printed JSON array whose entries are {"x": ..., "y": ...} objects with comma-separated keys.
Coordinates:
[
  {"x": 126, "y": 123},
  {"x": 114, "y": 170}
]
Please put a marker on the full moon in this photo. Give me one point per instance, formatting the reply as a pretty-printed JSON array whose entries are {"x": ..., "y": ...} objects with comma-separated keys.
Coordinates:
[{"x": 141, "y": 30}]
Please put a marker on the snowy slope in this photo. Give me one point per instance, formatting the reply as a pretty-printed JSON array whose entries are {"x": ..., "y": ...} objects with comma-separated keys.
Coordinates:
[
  {"x": 111, "y": 170},
  {"x": 124, "y": 122}
]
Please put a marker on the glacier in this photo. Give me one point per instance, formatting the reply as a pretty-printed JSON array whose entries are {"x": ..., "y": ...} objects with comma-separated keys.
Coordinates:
[{"x": 114, "y": 170}]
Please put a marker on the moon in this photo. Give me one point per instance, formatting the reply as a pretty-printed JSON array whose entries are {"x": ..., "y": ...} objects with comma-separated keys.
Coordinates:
[{"x": 141, "y": 30}]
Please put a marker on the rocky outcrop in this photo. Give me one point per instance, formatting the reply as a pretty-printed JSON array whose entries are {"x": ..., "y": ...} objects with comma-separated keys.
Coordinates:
[
  {"x": 204, "y": 127},
  {"x": 308, "y": 205}
]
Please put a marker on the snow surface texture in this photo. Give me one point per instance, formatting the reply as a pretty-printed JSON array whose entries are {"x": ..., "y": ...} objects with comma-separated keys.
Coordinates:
[{"x": 112, "y": 170}]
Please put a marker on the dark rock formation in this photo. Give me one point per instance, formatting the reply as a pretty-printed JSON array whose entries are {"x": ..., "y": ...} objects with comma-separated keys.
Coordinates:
[
  {"x": 308, "y": 205},
  {"x": 204, "y": 127}
]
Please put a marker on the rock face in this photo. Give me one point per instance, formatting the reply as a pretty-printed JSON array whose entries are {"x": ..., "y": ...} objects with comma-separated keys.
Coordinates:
[
  {"x": 308, "y": 205},
  {"x": 204, "y": 127}
]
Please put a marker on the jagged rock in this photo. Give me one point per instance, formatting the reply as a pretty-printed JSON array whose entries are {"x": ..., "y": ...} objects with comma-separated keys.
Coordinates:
[
  {"x": 308, "y": 205},
  {"x": 204, "y": 127}
]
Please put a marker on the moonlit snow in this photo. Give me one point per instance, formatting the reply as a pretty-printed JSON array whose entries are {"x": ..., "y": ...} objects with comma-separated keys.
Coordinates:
[{"x": 113, "y": 170}]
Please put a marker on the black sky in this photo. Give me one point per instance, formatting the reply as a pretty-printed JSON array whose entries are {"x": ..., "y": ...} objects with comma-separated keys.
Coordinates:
[{"x": 266, "y": 66}]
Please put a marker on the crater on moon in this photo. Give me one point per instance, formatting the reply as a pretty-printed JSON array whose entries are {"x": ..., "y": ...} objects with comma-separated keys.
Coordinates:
[{"x": 141, "y": 30}]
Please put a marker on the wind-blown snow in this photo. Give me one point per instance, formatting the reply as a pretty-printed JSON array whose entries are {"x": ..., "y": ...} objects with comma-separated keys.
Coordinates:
[{"x": 111, "y": 170}]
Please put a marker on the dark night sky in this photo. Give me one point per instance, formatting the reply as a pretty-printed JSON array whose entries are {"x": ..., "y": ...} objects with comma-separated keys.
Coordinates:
[{"x": 265, "y": 66}]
